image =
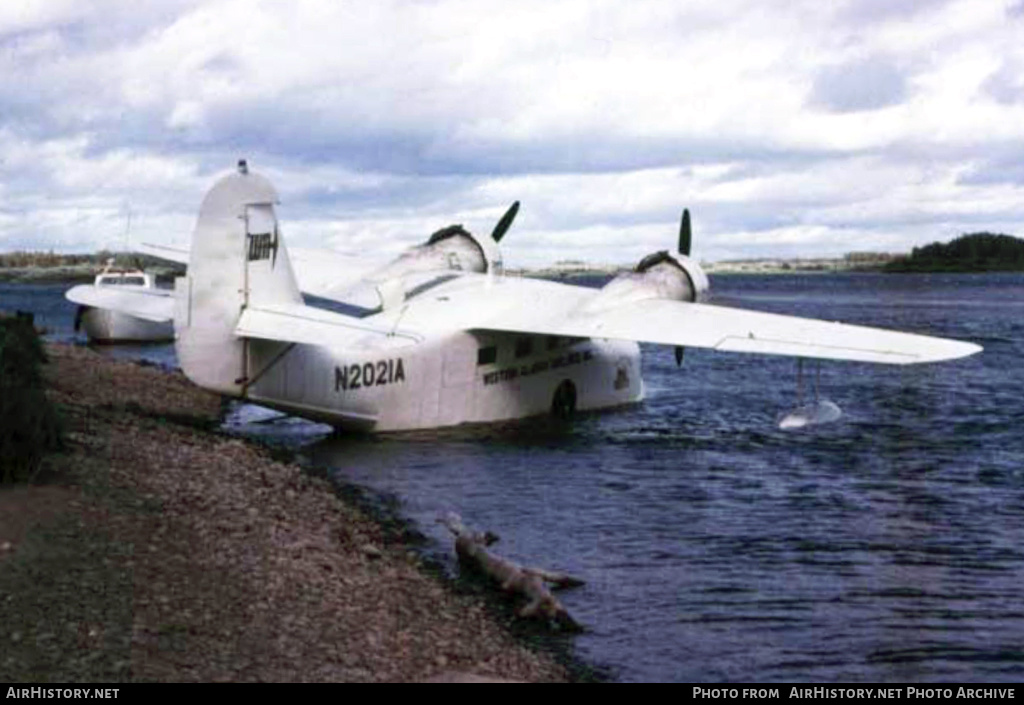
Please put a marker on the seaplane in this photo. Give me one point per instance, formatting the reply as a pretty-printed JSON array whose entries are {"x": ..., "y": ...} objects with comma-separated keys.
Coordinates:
[
  {"x": 441, "y": 336},
  {"x": 108, "y": 326}
]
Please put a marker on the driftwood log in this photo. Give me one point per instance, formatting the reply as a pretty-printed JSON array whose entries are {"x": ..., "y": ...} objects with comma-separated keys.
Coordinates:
[{"x": 471, "y": 548}]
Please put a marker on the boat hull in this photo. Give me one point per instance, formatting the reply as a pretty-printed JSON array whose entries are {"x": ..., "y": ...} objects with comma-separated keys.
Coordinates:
[{"x": 107, "y": 327}]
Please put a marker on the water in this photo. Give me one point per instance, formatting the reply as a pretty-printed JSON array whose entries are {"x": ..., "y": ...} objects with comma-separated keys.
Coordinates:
[
  {"x": 886, "y": 546},
  {"x": 56, "y": 315}
]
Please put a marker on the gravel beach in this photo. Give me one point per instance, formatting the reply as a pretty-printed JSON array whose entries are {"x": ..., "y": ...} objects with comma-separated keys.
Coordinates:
[{"x": 158, "y": 549}]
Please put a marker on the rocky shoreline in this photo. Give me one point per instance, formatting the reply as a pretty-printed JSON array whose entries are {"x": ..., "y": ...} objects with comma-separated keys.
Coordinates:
[{"x": 158, "y": 549}]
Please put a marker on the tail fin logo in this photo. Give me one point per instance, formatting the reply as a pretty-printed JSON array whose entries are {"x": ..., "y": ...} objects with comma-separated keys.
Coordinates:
[{"x": 263, "y": 246}]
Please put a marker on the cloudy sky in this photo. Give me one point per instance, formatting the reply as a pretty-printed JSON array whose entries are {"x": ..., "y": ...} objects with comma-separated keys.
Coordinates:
[{"x": 789, "y": 127}]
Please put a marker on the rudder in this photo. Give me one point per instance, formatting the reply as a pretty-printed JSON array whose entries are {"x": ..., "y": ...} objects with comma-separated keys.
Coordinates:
[{"x": 237, "y": 259}]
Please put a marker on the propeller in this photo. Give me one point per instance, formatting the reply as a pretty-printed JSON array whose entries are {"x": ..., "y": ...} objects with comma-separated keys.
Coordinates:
[
  {"x": 685, "y": 240},
  {"x": 505, "y": 223},
  {"x": 685, "y": 233}
]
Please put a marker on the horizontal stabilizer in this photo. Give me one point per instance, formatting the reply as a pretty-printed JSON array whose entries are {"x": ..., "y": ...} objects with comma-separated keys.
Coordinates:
[
  {"x": 297, "y": 323},
  {"x": 737, "y": 330},
  {"x": 155, "y": 305},
  {"x": 320, "y": 272}
]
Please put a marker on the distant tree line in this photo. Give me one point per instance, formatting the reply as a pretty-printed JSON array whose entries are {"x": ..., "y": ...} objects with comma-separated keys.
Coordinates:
[
  {"x": 21, "y": 259},
  {"x": 43, "y": 260},
  {"x": 974, "y": 252}
]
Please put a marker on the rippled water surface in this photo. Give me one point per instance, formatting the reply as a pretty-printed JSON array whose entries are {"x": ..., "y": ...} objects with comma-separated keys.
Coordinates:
[{"x": 886, "y": 546}]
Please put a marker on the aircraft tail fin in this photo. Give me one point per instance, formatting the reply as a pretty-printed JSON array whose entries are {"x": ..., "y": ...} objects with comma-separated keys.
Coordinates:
[{"x": 237, "y": 260}]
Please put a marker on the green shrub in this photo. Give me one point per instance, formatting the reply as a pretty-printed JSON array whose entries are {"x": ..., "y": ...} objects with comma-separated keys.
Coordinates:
[{"x": 29, "y": 426}]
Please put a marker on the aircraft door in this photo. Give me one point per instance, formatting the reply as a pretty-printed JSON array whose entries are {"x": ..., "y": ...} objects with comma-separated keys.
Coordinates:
[{"x": 456, "y": 398}]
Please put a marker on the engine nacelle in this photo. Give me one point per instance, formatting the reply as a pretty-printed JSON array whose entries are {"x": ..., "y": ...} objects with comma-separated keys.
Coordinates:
[
  {"x": 658, "y": 276},
  {"x": 453, "y": 248}
]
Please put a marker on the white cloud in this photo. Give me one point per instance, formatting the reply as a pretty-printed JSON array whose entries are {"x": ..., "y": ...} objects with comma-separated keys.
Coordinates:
[
  {"x": 793, "y": 124},
  {"x": 28, "y": 15},
  {"x": 864, "y": 85}
]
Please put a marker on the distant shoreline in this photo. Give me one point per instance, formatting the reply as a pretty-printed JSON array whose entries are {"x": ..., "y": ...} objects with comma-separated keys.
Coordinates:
[
  {"x": 716, "y": 268},
  {"x": 82, "y": 274},
  {"x": 49, "y": 275},
  {"x": 974, "y": 252},
  {"x": 86, "y": 273},
  {"x": 49, "y": 268}
]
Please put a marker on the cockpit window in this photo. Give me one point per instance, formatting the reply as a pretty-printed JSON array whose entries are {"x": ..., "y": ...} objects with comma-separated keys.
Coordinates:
[
  {"x": 487, "y": 355},
  {"x": 557, "y": 342}
]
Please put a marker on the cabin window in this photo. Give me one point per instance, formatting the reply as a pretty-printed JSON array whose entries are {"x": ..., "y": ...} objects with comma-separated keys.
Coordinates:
[
  {"x": 487, "y": 355},
  {"x": 524, "y": 347},
  {"x": 557, "y": 342},
  {"x": 122, "y": 281}
]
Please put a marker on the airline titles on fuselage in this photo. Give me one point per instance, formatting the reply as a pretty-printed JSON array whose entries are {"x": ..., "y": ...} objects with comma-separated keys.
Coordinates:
[{"x": 510, "y": 373}]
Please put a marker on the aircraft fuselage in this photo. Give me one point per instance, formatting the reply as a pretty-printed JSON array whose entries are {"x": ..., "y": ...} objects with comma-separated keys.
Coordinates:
[{"x": 444, "y": 381}]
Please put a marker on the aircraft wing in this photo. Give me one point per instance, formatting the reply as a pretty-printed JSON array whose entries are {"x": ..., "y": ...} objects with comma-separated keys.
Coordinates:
[
  {"x": 327, "y": 273},
  {"x": 545, "y": 308},
  {"x": 737, "y": 330},
  {"x": 149, "y": 304}
]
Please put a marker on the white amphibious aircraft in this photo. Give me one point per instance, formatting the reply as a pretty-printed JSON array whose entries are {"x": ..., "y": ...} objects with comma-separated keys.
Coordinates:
[{"x": 440, "y": 336}]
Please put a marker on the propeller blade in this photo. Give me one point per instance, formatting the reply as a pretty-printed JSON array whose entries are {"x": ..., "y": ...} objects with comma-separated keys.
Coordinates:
[
  {"x": 685, "y": 234},
  {"x": 505, "y": 223}
]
